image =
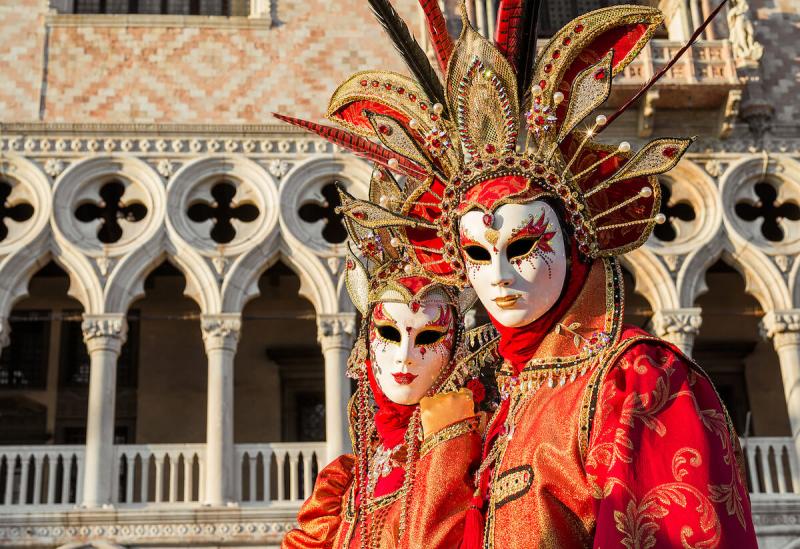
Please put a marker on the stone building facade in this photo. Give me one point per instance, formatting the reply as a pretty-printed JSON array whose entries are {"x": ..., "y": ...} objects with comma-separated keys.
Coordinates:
[{"x": 172, "y": 318}]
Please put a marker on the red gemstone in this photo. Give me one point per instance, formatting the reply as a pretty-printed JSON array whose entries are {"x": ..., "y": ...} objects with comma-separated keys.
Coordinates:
[
  {"x": 401, "y": 91},
  {"x": 670, "y": 152},
  {"x": 434, "y": 117},
  {"x": 556, "y": 54},
  {"x": 364, "y": 82},
  {"x": 385, "y": 130},
  {"x": 350, "y": 265},
  {"x": 414, "y": 306},
  {"x": 524, "y": 163},
  {"x": 494, "y": 162},
  {"x": 359, "y": 215},
  {"x": 579, "y": 28},
  {"x": 412, "y": 97},
  {"x": 548, "y": 67},
  {"x": 539, "y": 169},
  {"x": 375, "y": 83},
  {"x": 599, "y": 75},
  {"x": 490, "y": 148},
  {"x": 487, "y": 219},
  {"x": 510, "y": 160},
  {"x": 479, "y": 164},
  {"x": 466, "y": 172},
  {"x": 423, "y": 106},
  {"x": 543, "y": 84},
  {"x": 539, "y": 120},
  {"x": 436, "y": 143},
  {"x": 567, "y": 40}
]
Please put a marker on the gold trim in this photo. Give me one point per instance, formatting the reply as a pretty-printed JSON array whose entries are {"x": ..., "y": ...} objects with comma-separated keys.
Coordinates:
[{"x": 461, "y": 427}]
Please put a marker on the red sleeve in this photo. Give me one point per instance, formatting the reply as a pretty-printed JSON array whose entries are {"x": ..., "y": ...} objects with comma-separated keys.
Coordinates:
[
  {"x": 663, "y": 459},
  {"x": 321, "y": 515}
]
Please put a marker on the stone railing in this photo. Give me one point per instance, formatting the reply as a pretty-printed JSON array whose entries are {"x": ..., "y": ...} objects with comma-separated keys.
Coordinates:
[
  {"x": 41, "y": 475},
  {"x": 278, "y": 471},
  {"x": 772, "y": 465},
  {"x": 162, "y": 474}
]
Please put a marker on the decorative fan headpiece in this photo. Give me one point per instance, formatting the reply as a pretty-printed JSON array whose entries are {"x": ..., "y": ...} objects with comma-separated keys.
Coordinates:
[{"x": 501, "y": 129}]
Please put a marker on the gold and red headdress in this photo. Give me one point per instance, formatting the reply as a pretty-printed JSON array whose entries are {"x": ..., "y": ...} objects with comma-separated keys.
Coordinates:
[{"x": 499, "y": 129}]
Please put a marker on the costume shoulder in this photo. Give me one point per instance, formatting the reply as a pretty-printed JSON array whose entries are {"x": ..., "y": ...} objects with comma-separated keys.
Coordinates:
[
  {"x": 320, "y": 516},
  {"x": 662, "y": 457}
]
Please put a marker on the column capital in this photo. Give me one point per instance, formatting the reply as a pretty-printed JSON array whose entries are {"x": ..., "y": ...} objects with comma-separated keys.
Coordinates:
[
  {"x": 783, "y": 327},
  {"x": 104, "y": 331},
  {"x": 336, "y": 331},
  {"x": 221, "y": 331},
  {"x": 668, "y": 322},
  {"x": 5, "y": 333}
]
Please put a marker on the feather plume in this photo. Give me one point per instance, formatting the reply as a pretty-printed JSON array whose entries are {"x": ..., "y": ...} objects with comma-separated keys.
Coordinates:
[
  {"x": 437, "y": 28},
  {"x": 410, "y": 50},
  {"x": 507, "y": 35},
  {"x": 656, "y": 77},
  {"x": 527, "y": 46},
  {"x": 358, "y": 145}
]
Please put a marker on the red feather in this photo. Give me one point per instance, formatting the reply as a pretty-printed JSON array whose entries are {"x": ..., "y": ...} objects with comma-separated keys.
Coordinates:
[
  {"x": 358, "y": 145},
  {"x": 437, "y": 28},
  {"x": 507, "y": 34}
]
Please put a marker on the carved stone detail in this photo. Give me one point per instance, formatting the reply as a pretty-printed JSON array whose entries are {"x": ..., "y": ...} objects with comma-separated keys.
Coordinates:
[
  {"x": 221, "y": 330},
  {"x": 783, "y": 327},
  {"x": 336, "y": 331},
  {"x": 678, "y": 321},
  {"x": 104, "y": 331}
]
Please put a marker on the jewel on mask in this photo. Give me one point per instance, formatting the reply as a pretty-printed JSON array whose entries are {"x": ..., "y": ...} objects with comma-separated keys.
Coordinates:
[
  {"x": 414, "y": 306},
  {"x": 488, "y": 219}
]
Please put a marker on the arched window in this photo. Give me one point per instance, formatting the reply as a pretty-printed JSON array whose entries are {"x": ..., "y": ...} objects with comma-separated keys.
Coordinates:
[{"x": 163, "y": 7}]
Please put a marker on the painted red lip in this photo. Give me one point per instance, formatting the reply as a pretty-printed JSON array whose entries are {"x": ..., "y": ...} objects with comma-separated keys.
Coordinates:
[{"x": 404, "y": 379}]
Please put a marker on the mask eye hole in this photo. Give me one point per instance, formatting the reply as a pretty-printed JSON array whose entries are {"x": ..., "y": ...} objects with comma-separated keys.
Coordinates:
[
  {"x": 389, "y": 333},
  {"x": 520, "y": 248},
  {"x": 428, "y": 337},
  {"x": 478, "y": 254}
]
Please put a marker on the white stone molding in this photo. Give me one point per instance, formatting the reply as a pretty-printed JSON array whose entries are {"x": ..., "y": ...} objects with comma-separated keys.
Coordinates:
[
  {"x": 104, "y": 331},
  {"x": 221, "y": 331},
  {"x": 192, "y": 183},
  {"x": 688, "y": 182},
  {"x": 336, "y": 331},
  {"x": 81, "y": 182},
  {"x": 652, "y": 279},
  {"x": 28, "y": 185},
  {"x": 679, "y": 326},
  {"x": 737, "y": 184},
  {"x": 302, "y": 185},
  {"x": 782, "y": 327}
]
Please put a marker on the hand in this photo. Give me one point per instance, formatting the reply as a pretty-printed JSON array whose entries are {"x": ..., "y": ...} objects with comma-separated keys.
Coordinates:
[{"x": 441, "y": 410}]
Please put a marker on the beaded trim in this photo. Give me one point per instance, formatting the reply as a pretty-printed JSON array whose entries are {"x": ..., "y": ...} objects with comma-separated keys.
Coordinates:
[{"x": 449, "y": 432}]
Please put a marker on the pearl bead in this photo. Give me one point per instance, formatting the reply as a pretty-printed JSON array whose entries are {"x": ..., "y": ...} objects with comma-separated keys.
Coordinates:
[
  {"x": 413, "y": 124},
  {"x": 393, "y": 163},
  {"x": 438, "y": 108},
  {"x": 558, "y": 97},
  {"x": 407, "y": 269},
  {"x": 395, "y": 242},
  {"x": 536, "y": 90},
  {"x": 624, "y": 147},
  {"x": 646, "y": 192},
  {"x": 601, "y": 120},
  {"x": 661, "y": 218}
]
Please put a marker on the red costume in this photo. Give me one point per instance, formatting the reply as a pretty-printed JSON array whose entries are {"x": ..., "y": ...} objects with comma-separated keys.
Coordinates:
[{"x": 605, "y": 436}]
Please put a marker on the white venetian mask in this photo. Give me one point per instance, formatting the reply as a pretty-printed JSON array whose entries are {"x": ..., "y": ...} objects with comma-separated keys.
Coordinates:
[
  {"x": 409, "y": 348},
  {"x": 515, "y": 259}
]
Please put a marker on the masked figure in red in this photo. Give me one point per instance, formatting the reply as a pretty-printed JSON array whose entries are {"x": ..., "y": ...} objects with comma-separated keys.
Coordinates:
[
  {"x": 412, "y": 344},
  {"x": 606, "y": 436}
]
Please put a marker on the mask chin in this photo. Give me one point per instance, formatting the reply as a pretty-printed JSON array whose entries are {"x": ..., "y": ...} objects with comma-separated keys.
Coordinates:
[{"x": 518, "y": 264}]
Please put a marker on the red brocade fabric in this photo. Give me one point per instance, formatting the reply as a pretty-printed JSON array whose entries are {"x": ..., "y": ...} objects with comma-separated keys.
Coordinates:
[{"x": 664, "y": 463}]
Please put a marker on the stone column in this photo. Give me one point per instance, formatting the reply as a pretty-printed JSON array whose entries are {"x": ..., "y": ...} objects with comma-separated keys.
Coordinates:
[
  {"x": 783, "y": 327},
  {"x": 678, "y": 326},
  {"x": 335, "y": 334},
  {"x": 104, "y": 336},
  {"x": 220, "y": 336}
]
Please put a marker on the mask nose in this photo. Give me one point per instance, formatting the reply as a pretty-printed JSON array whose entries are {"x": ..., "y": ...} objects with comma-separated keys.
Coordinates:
[
  {"x": 502, "y": 275},
  {"x": 403, "y": 354}
]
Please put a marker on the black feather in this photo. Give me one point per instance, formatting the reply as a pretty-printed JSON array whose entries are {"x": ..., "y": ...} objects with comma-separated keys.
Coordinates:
[
  {"x": 410, "y": 50},
  {"x": 527, "y": 48}
]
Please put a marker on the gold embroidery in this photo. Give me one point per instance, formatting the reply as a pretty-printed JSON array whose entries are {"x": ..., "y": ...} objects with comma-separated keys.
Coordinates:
[
  {"x": 452, "y": 431},
  {"x": 512, "y": 484}
]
